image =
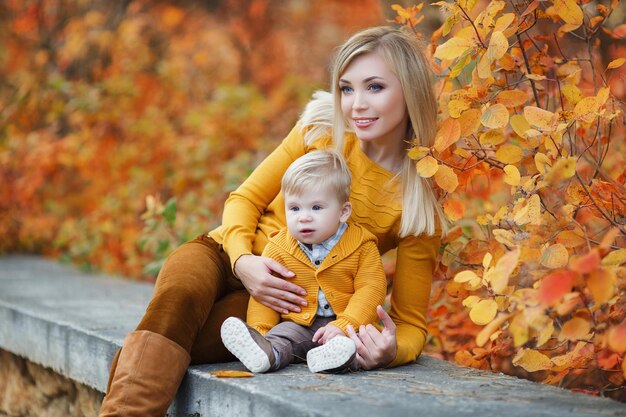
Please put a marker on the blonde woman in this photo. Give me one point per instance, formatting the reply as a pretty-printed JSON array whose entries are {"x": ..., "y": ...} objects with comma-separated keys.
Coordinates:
[{"x": 381, "y": 101}]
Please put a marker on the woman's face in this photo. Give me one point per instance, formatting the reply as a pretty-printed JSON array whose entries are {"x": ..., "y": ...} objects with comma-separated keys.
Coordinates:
[{"x": 372, "y": 100}]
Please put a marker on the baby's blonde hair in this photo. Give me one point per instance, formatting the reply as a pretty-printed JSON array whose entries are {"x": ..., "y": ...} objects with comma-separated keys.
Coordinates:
[{"x": 321, "y": 169}]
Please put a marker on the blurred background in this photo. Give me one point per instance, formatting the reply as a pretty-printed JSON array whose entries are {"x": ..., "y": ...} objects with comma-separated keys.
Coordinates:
[{"x": 123, "y": 125}]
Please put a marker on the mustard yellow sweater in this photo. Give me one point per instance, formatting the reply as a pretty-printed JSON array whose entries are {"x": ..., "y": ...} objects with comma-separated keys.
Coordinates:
[
  {"x": 256, "y": 209},
  {"x": 351, "y": 276}
]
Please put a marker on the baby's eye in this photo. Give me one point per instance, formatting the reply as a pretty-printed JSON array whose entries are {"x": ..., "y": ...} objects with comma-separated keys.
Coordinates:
[
  {"x": 376, "y": 87},
  {"x": 316, "y": 207},
  {"x": 294, "y": 209},
  {"x": 345, "y": 89}
]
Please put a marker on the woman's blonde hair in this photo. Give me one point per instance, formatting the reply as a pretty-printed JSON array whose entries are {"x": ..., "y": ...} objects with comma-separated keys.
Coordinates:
[
  {"x": 322, "y": 169},
  {"x": 420, "y": 208}
]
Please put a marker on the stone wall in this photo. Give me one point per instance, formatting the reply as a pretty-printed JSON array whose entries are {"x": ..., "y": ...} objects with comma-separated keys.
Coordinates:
[{"x": 30, "y": 390}]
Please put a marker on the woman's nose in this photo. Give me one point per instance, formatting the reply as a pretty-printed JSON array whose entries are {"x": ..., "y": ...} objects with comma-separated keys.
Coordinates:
[{"x": 359, "y": 101}]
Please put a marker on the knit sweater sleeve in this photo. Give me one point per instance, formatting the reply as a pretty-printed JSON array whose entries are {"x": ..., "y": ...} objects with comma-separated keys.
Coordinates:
[
  {"x": 416, "y": 261},
  {"x": 245, "y": 206},
  {"x": 370, "y": 287}
]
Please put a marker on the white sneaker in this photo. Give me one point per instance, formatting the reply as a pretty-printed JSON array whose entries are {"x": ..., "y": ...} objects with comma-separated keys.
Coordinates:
[
  {"x": 334, "y": 356},
  {"x": 248, "y": 345}
]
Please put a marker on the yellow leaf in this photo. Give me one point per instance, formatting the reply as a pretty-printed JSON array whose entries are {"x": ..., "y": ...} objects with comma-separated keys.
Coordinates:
[
  {"x": 530, "y": 213},
  {"x": 532, "y": 360},
  {"x": 427, "y": 166},
  {"x": 540, "y": 118},
  {"x": 487, "y": 260},
  {"x": 505, "y": 237},
  {"x": 457, "y": 107},
  {"x": 575, "y": 329},
  {"x": 470, "y": 121},
  {"x": 484, "y": 67},
  {"x": 483, "y": 312},
  {"x": 572, "y": 94},
  {"x": 453, "y": 48},
  {"x": 569, "y": 11},
  {"x": 471, "y": 301},
  {"x": 454, "y": 209},
  {"x": 498, "y": 276},
  {"x": 504, "y": 22},
  {"x": 563, "y": 169},
  {"x": 520, "y": 125},
  {"x": 555, "y": 256},
  {"x": 418, "y": 152},
  {"x": 519, "y": 330},
  {"x": 465, "y": 276},
  {"x": 446, "y": 178},
  {"x": 492, "y": 137},
  {"x": 495, "y": 117},
  {"x": 509, "y": 154},
  {"x": 449, "y": 133},
  {"x": 536, "y": 77},
  {"x": 542, "y": 162},
  {"x": 511, "y": 175},
  {"x": 616, "y": 63},
  {"x": 498, "y": 45},
  {"x": 601, "y": 282},
  {"x": 615, "y": 258},
  {"x": 545, "y": 333},
  {"x": 512, "y": 98},
  {"x": 587, "y": 109},
  {"x": 490, "y": 329},
  {"x": 617, "y": 338}
]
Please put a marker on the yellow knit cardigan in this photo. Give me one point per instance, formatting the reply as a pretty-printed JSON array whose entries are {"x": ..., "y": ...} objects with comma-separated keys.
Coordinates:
[{"x": 351, "y": 276}]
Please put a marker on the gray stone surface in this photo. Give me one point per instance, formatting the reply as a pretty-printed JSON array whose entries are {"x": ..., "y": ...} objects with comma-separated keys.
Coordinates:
[{"x": 74, "y": 322}]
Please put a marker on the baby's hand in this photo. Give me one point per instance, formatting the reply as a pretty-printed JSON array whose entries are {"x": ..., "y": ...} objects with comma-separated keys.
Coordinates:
[{"x": 324, "y": 334}]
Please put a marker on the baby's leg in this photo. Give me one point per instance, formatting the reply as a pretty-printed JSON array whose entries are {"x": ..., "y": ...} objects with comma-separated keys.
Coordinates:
[{"x": 291, "y": 342}]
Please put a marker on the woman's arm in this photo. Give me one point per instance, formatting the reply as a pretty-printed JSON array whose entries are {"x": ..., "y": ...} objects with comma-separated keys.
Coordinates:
[{"x": 242, "y": 211}]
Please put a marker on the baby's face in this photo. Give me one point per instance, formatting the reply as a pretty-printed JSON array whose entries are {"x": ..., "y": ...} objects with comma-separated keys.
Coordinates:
[{"x": 315, "y": 216}]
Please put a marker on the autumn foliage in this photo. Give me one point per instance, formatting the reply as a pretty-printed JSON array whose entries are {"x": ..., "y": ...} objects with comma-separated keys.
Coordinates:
[
  {"x": 530, "y": 157},
  {"x": 125, "y": 124}
]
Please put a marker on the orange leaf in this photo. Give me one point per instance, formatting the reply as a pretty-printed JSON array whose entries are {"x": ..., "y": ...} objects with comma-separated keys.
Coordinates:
[
  {"x": 449, "y": 133},
  {"x": 498, "y": 276},
  {"x": 532, "y": 360},
  {"x": 554, "y": 286},
  {"x": 454, "y": 209},
  {"x": 232, "y": 374},
  {"x": 469, "y": 121},
  {"x": 575, "y": 329},
  {"x": 495, "y": 117},
  {"x": 446, "y": 178},
  {"x": 586, "y": 263},
  {"x": 490, "y": 329},
  {"x": 531, "y": 8},
  {"x": 512, "y": 98},
  {"x": 570, "y": 239},
  {"x": 509, "y": 154},
  {"x": 601, "y": 282},
  {"x": 616, "y": 337}
]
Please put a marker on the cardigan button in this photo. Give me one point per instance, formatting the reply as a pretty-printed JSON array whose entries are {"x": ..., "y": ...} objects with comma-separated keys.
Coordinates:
[{"x": 306, "y": 315}]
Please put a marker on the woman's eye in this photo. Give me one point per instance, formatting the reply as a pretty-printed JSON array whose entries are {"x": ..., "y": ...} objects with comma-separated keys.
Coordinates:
[
  {"x": 316, "y": 207},
  {"x": 375, "y": 87},
  {"x": 346, "y": 89}
]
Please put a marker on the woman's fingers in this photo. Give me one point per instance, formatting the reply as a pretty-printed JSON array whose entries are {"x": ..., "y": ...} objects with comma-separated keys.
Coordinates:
[{"x": 390, "y": 326}]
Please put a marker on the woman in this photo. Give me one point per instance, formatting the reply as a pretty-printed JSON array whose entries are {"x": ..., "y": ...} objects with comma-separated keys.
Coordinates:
[{"x": 383, "y": 101}]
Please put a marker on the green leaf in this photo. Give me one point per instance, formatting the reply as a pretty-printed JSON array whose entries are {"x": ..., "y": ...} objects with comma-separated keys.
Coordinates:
[{"x": 169, "y": 212}]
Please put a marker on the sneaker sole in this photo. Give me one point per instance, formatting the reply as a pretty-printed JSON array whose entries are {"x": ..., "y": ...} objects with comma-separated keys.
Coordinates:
[
  {"x": 336, "y": 353},
  {"x": 237, "y": 339}
]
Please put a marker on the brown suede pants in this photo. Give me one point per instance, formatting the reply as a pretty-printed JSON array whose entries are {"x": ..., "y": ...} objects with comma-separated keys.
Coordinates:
[{"x": 193, "y": 295}]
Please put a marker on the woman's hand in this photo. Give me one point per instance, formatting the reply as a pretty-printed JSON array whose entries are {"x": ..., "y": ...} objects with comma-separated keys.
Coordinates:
[
  {"x": 255, "y": 272},
  {"x": 324, "y": 334},
  {"x": 375, "y": 349}
]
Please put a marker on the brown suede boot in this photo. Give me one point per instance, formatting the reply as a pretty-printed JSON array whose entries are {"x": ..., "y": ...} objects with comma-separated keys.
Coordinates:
[{"x": 149, "y": 370}]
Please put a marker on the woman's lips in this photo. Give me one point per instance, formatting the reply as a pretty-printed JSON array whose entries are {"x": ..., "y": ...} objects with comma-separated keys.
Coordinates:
[{"x": 364, "y": 122}]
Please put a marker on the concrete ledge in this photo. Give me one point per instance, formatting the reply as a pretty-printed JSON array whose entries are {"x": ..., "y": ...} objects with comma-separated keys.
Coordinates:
[{"x": 74, "y": 323}]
